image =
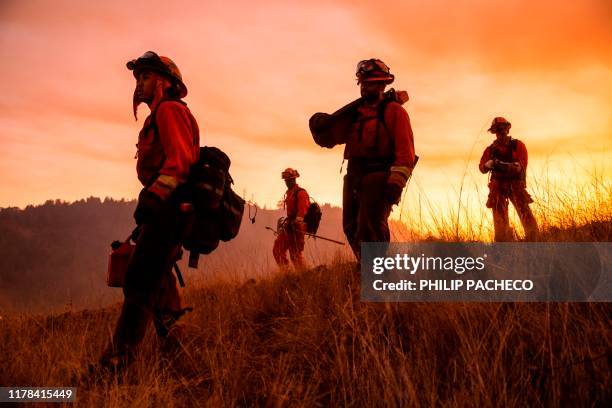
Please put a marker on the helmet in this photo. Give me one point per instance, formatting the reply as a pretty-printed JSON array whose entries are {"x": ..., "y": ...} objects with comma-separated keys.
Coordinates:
[
  {"x": 162, "y": 65},
  {"x": 373, "y": 70},
  {"x": 289, "y": 173},
  {"x": 499, "y": 122}
]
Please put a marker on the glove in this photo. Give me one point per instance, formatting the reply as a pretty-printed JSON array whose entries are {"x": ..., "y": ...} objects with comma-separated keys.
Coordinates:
[
  {"x": 299, "y": 225},
  {"x": 395, "y": 185},
  {"x": 150, "y": 208},
  {"x": 290, "y": 225},
  {"x": 489, "y": 164},
  {"x": 515, "y": 168},
  {"x": 393, "y": 193},
  {"x": 508, "y": 168}
]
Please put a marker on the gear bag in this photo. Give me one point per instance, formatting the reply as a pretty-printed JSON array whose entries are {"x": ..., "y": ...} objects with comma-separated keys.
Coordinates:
[
  {"x": 312, "y": 219},
  {"x": 230, "y": 212},
  {"x": 209, "y": 177},
  {"x": 218, "y": 209},
  {"x": 313, "y": 215},
  {"x": 331, "y": 130}
]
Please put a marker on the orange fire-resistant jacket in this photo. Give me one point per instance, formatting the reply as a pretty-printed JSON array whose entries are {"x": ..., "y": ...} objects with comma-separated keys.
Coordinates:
[
  {"x": 165, "y": 156},
  {"x": 505, "y": 153},
  {"x": 370, "y": 138},
  {"x": 296, "y": 203}
]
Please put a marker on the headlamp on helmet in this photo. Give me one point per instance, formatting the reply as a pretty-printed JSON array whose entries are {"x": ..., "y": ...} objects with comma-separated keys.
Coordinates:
[
  {"x": 289, "y": 173},
  {"x": 499, "y": 123},
  {"x": 160, "y": 64},
  {"x": 373, "y": 70}
]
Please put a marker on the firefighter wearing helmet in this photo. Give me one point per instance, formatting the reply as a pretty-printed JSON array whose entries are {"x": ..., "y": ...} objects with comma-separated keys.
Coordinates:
[
  {"x": 506, "y": 161},
  {"x": 290, "y": 232},
  {"x": 168, "y": 145},
  {"x": 380, "y": 153}
]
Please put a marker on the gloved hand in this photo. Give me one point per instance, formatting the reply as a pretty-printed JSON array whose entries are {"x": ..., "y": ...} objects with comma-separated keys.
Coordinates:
[
  {"x": 489, "y": 164},
  {"x": 299, "y": 224},
  {"x": 507, "y": 167},
  {"x": 150, "y": 207},
  {"x": 395, "y": 185},
  {"x": 515, "y": 168},
  {"x": 393, "y": 193}
]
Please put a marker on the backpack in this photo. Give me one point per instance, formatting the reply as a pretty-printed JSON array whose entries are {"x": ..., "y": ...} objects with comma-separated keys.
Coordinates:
[
  {"x": 312, "y": 219},
  {"x": 218, "y": 209},
  {"x": 230, "y": 214},
  {"x": 330, "y": 130},
  {"x": 313, "y": 215}
]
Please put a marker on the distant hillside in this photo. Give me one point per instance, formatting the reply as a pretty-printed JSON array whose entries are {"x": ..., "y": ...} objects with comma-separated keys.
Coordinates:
[{"x": 55, "y": 255}]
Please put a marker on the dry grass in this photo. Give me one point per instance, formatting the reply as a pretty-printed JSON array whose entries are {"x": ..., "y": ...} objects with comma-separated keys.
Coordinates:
[
  {"x": 306, "y": 340},
  {"x": 564, "y": 206}
]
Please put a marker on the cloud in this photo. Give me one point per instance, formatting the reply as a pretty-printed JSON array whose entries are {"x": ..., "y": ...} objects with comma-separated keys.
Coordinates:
[
  {"x": 498, "y": 35},
  {"x": 256, "y": 71}
]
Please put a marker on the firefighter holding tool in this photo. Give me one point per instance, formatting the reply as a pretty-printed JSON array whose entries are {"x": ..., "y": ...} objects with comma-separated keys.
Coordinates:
[
  {"x": 506, "y": 161},
  {"x": 290, "y": 230}
]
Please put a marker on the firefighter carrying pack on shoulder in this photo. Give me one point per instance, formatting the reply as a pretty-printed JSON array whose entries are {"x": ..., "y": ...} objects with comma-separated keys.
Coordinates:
[
  {"x": 331, "y": 130},
  {"x": 218, "y": 209}
]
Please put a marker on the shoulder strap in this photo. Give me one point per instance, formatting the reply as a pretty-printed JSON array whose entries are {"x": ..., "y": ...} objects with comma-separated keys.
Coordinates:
[
  {"x": 380, "y": 116},
  {"x": 297, "y": 191},
  {"x": 513, "y": 144}
]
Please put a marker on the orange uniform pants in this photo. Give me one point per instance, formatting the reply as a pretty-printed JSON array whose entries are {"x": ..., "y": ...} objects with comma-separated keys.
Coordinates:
[
  {"x": 500, "y": 192},
  {"x": 365, "y": 210},
  {"x": 293, "y": 242},
  {"x": 151, "y": 293}
]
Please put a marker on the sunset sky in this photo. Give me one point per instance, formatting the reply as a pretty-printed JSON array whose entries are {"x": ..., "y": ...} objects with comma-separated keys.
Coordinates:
[{"x": 256, "y": 71}]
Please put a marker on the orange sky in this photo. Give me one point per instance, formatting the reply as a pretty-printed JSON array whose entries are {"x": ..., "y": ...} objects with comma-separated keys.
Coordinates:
[{"x": 256, "y": 71}]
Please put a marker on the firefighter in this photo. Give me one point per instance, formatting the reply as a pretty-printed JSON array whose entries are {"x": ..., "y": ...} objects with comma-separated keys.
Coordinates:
[
  {"x": 506, "y": 160},
  {"x": 380, "y": 153},
  {"x": 168, "y": 145},
  {"x": 291, "y": 229}
]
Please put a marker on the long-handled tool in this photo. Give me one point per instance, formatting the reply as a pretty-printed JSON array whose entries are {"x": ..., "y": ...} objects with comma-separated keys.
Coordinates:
[{"x": 311, "y": 235}]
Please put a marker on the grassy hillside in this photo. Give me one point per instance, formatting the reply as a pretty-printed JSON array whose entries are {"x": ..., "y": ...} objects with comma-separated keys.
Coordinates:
[
  {"x": 264, "y": 338},
  {"x": 306, "y": 340},
  {"x": 53, "y": 257}
]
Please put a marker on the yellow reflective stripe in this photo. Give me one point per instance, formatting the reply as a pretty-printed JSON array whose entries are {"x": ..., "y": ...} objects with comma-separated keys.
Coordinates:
[
  {"x": 164, "y": 186},
  {"x": 403, "y": 170},
  {"x": 168, "y": 182}
]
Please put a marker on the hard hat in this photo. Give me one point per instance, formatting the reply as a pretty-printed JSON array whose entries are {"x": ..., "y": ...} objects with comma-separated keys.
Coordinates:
[
  {"x": 373, "y": 70},
  {"x": 497, "y": 122},
  {"x": 160, "y": 64},
  {"x": 289, "y": 173}
]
